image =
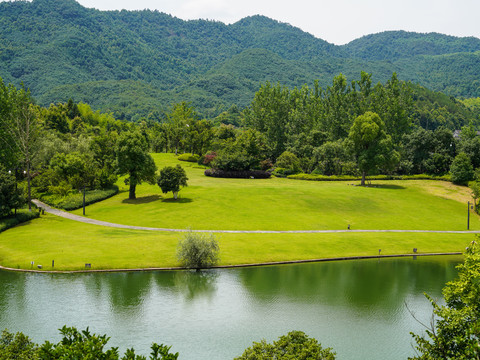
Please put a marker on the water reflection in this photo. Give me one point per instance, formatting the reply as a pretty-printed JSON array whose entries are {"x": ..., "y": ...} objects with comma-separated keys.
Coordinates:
[
  {"x": 194, "y": 285},
  {"x": 355, "y": 283},
  {"x": 357, "y": 307}
]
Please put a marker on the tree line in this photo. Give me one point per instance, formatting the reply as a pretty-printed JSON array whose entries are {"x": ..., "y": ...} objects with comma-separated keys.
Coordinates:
[{"x": 354, "y": 129}]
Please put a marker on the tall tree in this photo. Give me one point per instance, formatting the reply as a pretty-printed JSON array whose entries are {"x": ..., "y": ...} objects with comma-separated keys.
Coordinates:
[
  {"x": 21, "y": 131},
  {"x": 372, "y": 146},
  {"x": 181, "y": 115},
  {"x": 133, "y": 160},
  {"x": 269, "y": 114}
]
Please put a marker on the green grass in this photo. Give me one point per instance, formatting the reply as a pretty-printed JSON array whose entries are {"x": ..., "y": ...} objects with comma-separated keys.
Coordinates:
[{"x": 272, "y": 204}]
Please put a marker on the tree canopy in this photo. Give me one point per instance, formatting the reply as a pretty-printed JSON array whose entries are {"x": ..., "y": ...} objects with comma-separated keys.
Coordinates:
[{"x": 134, "y": 160}]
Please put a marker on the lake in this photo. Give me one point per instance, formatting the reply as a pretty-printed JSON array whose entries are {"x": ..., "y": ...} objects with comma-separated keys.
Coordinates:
[{"x": 360, "y": 308}]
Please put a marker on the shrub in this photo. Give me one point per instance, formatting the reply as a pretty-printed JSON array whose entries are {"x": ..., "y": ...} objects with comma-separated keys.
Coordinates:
[
  {"x": 288, "y": 161},
  {"x": 315, "y": 177},
  {"x": 236, "y": 161},
  {"x": 189, "y": 157},
  {"x": 282, "y": 172},
  {"x": 12, "y": 220},
  {"x": 75, "y": 200},
  {"x": 243, "y": 174},
  {"x": 198, "y": 251}
]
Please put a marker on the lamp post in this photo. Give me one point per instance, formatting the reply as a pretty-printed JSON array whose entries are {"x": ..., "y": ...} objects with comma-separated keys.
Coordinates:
[{"x": 468, "y": 215}]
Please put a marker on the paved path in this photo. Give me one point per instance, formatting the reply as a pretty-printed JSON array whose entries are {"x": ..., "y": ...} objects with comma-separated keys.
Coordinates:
[{"x": 83, "y": 219}]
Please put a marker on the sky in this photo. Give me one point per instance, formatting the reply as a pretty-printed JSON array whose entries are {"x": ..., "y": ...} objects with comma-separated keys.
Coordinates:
[{"x": 336, "y": 21}]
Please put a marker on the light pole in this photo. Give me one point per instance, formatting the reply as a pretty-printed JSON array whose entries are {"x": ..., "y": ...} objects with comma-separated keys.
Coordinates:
[{"x": 468, "y": 215}]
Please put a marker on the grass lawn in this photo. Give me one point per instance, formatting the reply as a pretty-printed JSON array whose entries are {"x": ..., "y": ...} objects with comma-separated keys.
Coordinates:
[{"x": 234, "y": 204}]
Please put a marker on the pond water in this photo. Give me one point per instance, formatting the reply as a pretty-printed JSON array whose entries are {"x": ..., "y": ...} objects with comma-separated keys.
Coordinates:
[{"x": 358, "y": 307}]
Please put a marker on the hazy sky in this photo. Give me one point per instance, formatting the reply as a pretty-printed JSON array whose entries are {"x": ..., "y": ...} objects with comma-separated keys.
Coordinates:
[{"x": 337, "y": 21}]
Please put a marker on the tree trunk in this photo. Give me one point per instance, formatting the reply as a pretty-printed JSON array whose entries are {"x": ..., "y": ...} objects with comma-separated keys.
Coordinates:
[
  {"x": 363, "y": 179},
  {"x": 175, "y": 194},
  {"x": 131, "y": 194}
]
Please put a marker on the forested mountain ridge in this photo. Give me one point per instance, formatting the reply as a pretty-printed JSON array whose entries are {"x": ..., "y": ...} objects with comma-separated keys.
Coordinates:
[
  {"x": 394, "y": 45},
  {"x": 136, "y": 62}
]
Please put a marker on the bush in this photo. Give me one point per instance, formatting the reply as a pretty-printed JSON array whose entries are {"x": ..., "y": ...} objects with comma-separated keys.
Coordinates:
[
  {"x": 12, "y": 220},
  {"x": 75, "y": 200},
  {"x": 233, "y": 174},
  {"x": 207, "y": 158},
  {"x": 189, "y": 157},
  {"x": 282, "y": 172},
  {"x": 233, "y": 161},
  {"x": 315, "y": 177},
  {"x": 198, "y": 251},
  {"x": 288, "y": 161}
]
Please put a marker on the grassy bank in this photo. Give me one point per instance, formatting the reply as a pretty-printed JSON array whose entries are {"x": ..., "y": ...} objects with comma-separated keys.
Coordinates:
[{"x": 273, "y": 204}]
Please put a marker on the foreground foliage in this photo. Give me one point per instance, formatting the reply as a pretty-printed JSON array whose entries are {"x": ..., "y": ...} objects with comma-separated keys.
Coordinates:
[
  {"x": 456, "y": 333},
  {"x": 294, "y": 345},
  {"x": 74, "y": 345}
]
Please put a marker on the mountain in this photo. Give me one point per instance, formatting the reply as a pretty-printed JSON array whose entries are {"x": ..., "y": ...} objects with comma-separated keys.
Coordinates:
[
  {"x": 395, "y": 45},
  {"x": 136, "y": 62}
]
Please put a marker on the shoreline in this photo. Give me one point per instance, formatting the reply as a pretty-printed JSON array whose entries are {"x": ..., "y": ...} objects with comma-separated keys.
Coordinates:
[{"x": 343, "y": 258}]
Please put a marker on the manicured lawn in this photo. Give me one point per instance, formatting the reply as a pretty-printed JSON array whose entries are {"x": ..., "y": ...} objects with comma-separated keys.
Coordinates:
[
  {"x": 283, "y": 204},
  {"x": 273, "y": 204},
  {"x": 72, "y": 244}
]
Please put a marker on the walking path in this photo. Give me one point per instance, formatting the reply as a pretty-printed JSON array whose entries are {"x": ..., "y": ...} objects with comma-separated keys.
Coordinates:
[{"x": 83, "y": 219}]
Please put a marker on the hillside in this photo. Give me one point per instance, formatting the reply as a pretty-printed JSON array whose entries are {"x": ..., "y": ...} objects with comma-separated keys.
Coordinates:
[{"x": 136, "y": 62}]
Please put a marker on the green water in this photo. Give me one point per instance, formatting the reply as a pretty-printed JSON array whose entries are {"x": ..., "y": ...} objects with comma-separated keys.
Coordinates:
[{"x": 357, "y": 307}]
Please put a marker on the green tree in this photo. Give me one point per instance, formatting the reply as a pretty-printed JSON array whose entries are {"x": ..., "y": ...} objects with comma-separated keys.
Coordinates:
[
  {"x": 171, "y": 178},
  {"x": 372, "y": 146},
  {"x": 133, "y": 160},
  {"x": 455, "y": 333},
  {"x": 9, "y": 197},
  {"x": 181, "y": 115},
  {"x": 294, "y": 345},
  {"x": 461, "y": 169},
  {"x": 198, "y": 251},
  {"x": 23, "y": 133},
  {"x": 269, "y": 114}
]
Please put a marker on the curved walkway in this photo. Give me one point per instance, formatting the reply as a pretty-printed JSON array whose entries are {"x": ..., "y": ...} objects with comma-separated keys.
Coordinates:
[{"x": 83, "y": 219}]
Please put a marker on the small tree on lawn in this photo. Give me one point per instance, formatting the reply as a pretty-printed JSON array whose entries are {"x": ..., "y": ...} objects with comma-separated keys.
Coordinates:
[
  {"x": 198, "y": 251},
  {"x": 134, "y": 161},
  {"x": 171, "y": 179}
]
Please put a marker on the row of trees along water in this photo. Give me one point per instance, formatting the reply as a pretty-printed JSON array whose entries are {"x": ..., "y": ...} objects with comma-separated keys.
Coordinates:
[{"x": 347, "y": 129}]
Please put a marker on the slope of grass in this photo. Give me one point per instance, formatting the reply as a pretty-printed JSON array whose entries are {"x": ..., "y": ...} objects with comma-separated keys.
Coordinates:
[
  {"x": 282, "y": 204},
  {"x": 272, "y": 204}
]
